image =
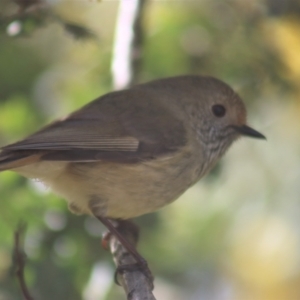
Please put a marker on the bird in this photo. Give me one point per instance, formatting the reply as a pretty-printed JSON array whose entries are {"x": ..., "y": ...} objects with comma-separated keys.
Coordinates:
[{"x": 133, "y": 151}]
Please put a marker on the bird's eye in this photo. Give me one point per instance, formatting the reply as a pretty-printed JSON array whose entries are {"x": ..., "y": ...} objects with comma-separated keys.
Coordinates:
[{"x": 219, "y": 110}]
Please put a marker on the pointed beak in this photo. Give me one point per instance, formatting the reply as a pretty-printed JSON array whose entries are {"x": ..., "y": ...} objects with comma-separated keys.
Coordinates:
[{"x": 248, "y": 131}]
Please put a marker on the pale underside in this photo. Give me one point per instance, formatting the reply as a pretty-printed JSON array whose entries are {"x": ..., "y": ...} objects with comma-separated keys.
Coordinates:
[{"x": 117, "y": 190}]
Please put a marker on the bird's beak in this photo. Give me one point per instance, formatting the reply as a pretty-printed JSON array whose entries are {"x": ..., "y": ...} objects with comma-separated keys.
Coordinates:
[{"x": 248, "y": 131}]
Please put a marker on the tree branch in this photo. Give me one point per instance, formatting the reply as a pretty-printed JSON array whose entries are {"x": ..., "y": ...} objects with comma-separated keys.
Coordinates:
[
  {"x": 129, "y": 39},
  {"x": 136, "y": 284}
]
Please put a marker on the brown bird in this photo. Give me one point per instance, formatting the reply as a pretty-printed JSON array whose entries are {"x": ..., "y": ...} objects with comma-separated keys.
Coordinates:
[{"x": 131, "y": 152}]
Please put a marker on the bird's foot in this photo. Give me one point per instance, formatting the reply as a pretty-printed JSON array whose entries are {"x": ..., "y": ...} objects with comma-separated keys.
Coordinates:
[{"x": 136, "y": 267}]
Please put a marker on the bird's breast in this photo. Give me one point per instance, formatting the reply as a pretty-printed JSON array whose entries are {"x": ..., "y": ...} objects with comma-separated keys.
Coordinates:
[
  {"x": 123, "y": 190},
  {"x": 128, "y": 190}
]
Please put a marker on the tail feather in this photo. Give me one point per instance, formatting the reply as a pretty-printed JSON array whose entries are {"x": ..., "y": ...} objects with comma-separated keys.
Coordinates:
[{"x": 16, "y": 159}]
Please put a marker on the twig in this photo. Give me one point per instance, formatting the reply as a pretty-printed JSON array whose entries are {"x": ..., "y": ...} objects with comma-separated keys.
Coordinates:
[
  {"x": 20, "y": 259},
  {"x": 136, "y": 284}
]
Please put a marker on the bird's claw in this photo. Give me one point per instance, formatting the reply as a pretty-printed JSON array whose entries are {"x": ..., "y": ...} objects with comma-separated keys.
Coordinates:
[{"x": 136, "y": 267}]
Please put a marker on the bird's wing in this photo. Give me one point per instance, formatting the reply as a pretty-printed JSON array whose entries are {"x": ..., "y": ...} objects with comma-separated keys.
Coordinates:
[
  {"x": 76, "y": 134},
  {"x": 106, "y": 131}
]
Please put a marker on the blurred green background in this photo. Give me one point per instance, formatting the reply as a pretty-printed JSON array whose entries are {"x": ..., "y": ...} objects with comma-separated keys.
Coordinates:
[{"x": 235, "y": 235}]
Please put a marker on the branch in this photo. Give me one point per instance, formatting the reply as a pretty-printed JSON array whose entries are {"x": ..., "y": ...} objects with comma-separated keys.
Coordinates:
[
  {"x": 136, "y": 284},
  {"x": 128, "y": 43},
  {"x": 20, "y": 259}
]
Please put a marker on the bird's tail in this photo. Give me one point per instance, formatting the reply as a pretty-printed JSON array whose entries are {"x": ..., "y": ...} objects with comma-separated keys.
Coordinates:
[{"x": 16, "y": 159}]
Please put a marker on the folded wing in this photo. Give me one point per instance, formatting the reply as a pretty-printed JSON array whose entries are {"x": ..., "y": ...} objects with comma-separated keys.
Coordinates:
[{"x": 103, "y": 130}]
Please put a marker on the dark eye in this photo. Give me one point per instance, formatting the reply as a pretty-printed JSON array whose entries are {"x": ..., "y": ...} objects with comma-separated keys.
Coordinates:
[{"x": 219, "y": 110}]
